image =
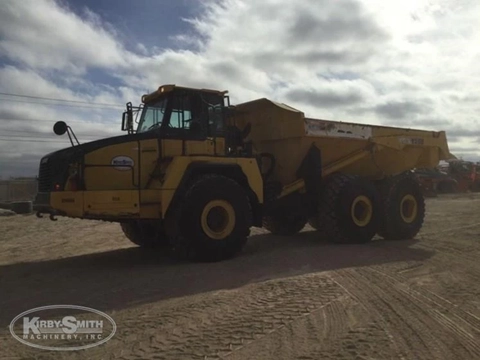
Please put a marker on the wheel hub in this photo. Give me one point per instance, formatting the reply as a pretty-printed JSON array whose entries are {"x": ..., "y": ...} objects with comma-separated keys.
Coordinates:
[
  {"x": 362, "y": 211},
  {"x": 408, "y": 208},
  {"x": 218, "y": 219}
]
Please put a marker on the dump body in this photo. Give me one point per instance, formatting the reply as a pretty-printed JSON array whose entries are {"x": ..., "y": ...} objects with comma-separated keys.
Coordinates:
[{"x": 367, "y": 150}]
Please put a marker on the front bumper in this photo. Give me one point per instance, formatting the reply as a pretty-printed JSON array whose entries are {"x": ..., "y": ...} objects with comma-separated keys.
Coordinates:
[
  {"x": 41, "y": 205},
  {"x": 42, "y": 199}
]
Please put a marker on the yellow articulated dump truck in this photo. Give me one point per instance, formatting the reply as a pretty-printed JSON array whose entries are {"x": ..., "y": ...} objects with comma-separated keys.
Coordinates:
[{"x": 193, "y": 174}]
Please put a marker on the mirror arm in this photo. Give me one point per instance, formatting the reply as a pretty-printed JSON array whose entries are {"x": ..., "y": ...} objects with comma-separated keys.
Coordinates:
[{"x": 69, "y": 130}]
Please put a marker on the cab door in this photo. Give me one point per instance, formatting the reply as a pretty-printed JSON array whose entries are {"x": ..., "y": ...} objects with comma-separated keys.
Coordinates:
[{"x": 192, "y": 129}]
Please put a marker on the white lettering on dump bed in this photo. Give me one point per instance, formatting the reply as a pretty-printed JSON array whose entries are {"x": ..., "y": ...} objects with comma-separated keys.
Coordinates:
[
  {"x": 411, "y": 141},
  {"x": 334, "y": 129}
]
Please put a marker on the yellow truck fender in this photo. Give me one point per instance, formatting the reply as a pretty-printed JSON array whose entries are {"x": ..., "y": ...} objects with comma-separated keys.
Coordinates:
[{"x": 245, "y": 171}]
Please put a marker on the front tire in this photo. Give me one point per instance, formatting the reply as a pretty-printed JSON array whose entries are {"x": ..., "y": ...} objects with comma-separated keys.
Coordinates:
[
  {"x": 403, "y": 208},
  {"x": 146, "y": 234},
  {"x": 215, "y": 217}
]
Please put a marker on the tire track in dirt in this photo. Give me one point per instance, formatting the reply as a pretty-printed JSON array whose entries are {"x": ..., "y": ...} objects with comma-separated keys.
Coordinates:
[
  {"x": 455, "y": 257},
  {"x": 320, "y": 329},
  {"x": 410, "y": 330},
  {"x": 255, "y": 319},
  {"x": 421, "y": 313},
  {"x": 360, "y": 338},
  {"x": 335, "y": 321},
  {"x": 438, "y": 273},
  {"x": 447, "y": 314},
  {"x": 452, "y": 250},
  {"x": 211, "y": 329},
  {"x": 466, "y": 315},
  {"x": 451, "y": 230}
]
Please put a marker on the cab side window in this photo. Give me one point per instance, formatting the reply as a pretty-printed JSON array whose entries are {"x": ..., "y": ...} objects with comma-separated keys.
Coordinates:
[
  {"x": 214, "y": 107},
  {"x": 201, "y": 114},
  {"x": 181, "y": 113}
]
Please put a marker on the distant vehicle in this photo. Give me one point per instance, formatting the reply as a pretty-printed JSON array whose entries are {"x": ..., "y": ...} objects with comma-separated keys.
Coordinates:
[
  {"x": 435, "y": 181},
  {"x": 465, "y": 173}
]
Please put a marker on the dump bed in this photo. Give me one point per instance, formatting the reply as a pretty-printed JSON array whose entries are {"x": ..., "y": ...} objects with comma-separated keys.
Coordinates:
[{"x": 368, "y": 150}]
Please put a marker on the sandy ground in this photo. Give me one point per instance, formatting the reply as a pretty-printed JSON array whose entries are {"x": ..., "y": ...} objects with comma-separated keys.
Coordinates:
[{"x": 283, "y": 298}]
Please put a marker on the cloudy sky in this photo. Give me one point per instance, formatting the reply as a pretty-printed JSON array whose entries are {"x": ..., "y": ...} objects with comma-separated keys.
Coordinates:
[{"x": 409, "y": 63}]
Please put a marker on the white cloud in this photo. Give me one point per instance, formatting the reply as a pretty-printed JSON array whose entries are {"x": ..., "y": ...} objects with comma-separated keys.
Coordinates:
[
  {"x": 43, "y": 35},
  {"x": 401, "y": 63}
]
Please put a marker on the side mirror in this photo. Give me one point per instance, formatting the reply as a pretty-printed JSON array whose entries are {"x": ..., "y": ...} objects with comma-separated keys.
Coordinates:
[
  {"x": 127, "y": 118},
  {"x": 60, "y": 128},
  {"x": 125, "y": 121}
]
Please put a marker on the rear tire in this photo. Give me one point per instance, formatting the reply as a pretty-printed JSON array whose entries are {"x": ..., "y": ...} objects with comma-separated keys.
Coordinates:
[
  {"x": 214, "y": 217},
  {"x": 403, "y": 207},
  {"x": 349, "y": 210},
  {"x": 284, "y": 224},
  {"x": 146, "y": 234}
]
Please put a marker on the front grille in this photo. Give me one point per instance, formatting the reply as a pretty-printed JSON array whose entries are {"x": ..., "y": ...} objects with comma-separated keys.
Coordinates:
[{"x": 45, "y": 177}]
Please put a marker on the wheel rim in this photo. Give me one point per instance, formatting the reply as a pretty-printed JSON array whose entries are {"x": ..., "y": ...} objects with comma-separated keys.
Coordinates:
[
  {"x": 361, "y": 211},
  {"x": 218, "y": 219},
  {"x": 409, "y": 208}
]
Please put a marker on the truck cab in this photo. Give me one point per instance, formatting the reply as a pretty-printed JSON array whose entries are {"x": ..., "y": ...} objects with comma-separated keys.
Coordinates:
[{"x": 190, "y": 116}]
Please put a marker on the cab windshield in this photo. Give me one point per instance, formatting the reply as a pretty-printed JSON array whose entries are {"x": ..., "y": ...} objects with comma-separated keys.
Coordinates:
[{"x": 152, "y": 115}]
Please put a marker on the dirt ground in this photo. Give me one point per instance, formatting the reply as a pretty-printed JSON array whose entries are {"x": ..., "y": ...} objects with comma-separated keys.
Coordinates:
[{"x": 282, "y": 298}]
